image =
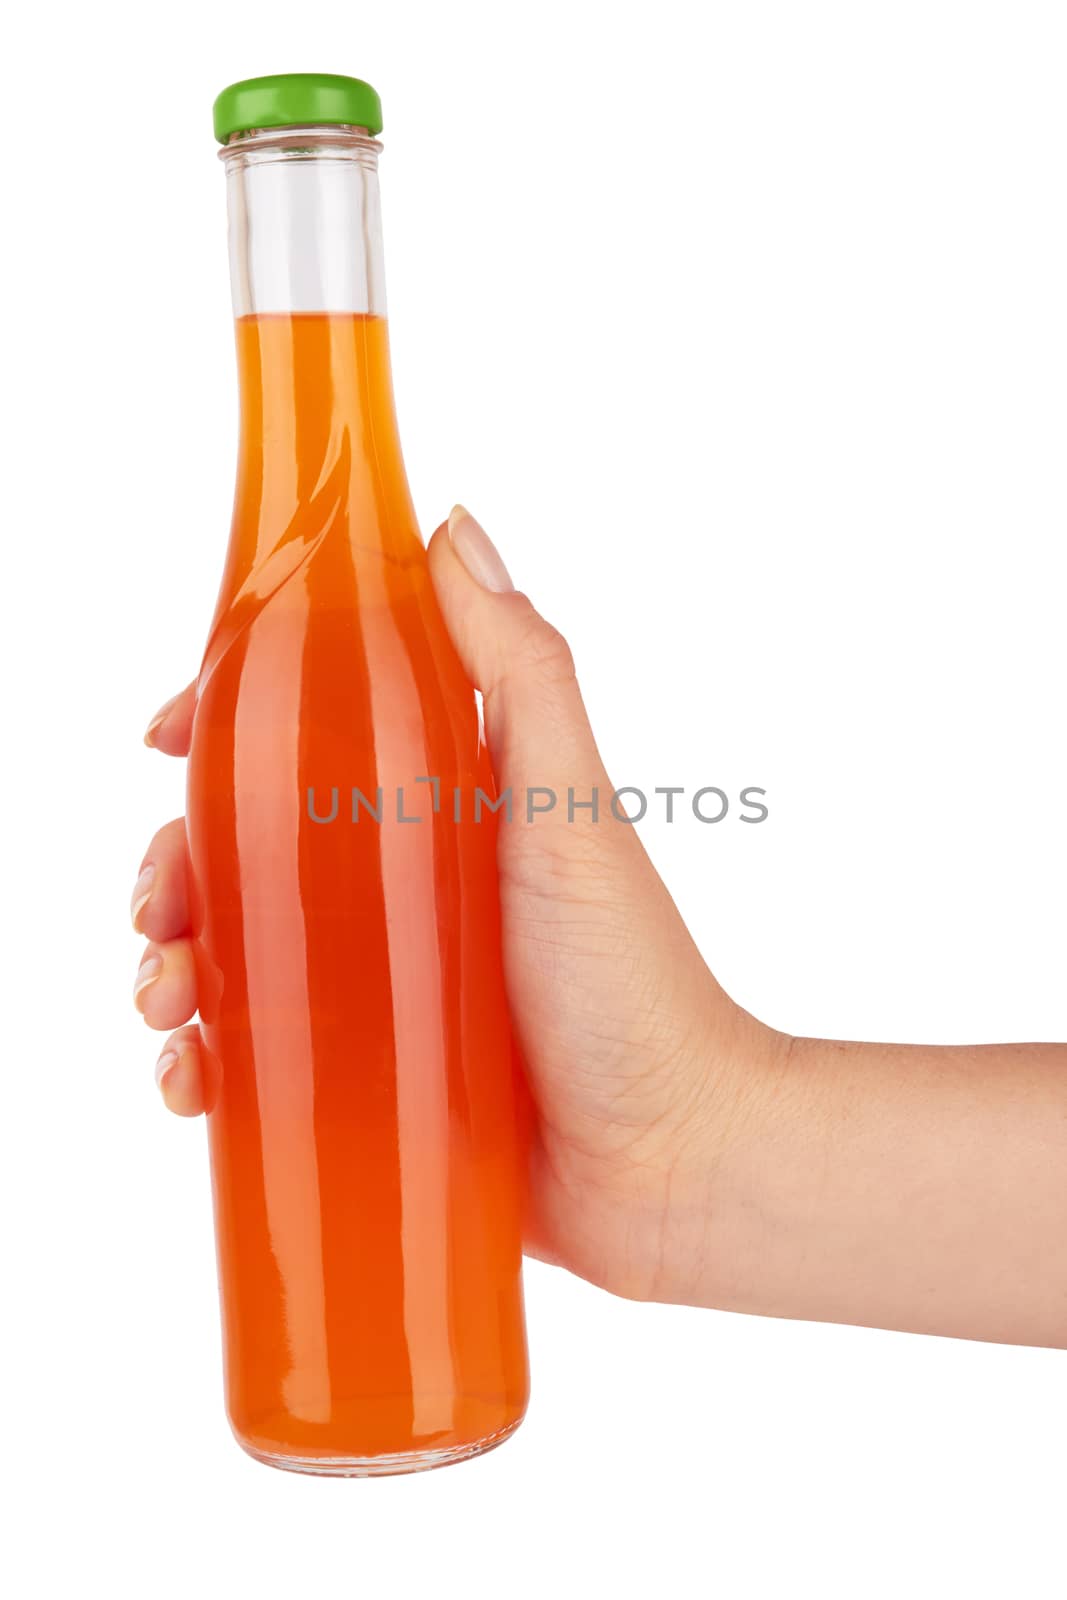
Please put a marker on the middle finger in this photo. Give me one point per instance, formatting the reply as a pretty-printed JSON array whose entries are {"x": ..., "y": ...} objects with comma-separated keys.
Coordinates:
[{"x": 159, "y": 904}]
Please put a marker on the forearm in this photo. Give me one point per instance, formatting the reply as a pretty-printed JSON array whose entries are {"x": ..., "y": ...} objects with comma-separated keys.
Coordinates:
[{"x": 913, "y": 1187}]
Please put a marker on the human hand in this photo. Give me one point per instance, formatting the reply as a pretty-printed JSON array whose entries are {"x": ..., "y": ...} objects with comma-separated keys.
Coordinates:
[
  {"x": 681, "y": 1150},
  {"x": 638, "y": 1063}
]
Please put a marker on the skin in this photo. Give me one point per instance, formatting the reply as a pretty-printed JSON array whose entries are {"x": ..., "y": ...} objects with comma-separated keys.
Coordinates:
[{"x": 684, "y": 1151}]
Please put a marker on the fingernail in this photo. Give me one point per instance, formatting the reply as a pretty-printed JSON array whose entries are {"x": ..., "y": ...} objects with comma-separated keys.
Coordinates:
[
  {"x": 168, "y": 1059},
  {"x": 142, "y": 893},
  {"x": 147, "y": 973},
  {"x": 157, "y": 722},
  {"x": 477, "y": 552}
]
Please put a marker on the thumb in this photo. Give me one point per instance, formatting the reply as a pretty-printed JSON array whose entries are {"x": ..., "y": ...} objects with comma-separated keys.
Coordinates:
[
  {"x": 535, "y": 720},
  {"x": 607, "y": 989}
]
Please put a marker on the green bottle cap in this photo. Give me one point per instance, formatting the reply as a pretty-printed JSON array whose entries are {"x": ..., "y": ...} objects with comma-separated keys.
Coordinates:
[{"x": 296, "y": 99}]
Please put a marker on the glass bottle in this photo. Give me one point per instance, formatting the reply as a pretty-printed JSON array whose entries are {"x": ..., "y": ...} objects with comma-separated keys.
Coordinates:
[{"x": 363, "y": 1125}]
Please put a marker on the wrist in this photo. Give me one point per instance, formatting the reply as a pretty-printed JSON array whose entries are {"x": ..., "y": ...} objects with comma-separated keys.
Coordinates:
[{"x": 730, "y": 1173}]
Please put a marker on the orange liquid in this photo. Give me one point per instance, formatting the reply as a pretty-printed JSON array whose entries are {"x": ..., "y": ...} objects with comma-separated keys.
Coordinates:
[{"x": 364, "y": 1143}]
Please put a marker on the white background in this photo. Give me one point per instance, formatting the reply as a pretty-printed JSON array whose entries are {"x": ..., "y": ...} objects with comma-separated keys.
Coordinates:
[{"x": 741, "y": 327}]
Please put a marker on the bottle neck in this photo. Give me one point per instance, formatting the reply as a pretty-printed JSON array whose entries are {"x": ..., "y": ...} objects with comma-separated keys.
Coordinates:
[
  {"x": 319, "y": 455},
  {"x": 305, "y": 223}
]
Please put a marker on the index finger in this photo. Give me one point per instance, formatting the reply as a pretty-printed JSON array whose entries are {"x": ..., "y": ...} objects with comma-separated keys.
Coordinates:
[{"x": 171, "y": 727}]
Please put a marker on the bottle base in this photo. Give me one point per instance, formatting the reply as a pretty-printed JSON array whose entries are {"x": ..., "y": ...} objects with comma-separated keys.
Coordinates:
[{"x": 383, "y": 1466}]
